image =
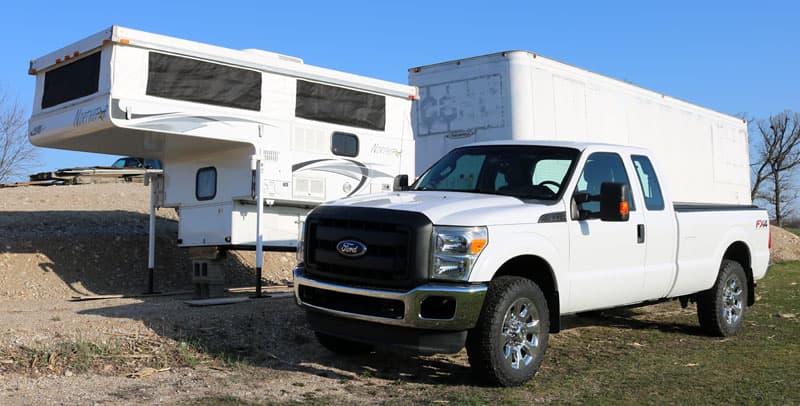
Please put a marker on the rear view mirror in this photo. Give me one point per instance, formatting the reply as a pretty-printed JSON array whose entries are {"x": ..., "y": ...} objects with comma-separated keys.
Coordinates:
[
  {"x": 614, "y": 204},
  {"x": 400, "y": 183}
]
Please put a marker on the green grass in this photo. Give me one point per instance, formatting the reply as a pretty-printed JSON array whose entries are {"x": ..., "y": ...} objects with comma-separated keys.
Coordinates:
[
  {"x": 188, "y": 353},
  {"x": 794, "y": 230},
  {"x": 659, "y": 355}
]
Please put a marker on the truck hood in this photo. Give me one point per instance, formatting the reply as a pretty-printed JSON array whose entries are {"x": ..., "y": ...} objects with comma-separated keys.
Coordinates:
[{"x": 457, "y": 208}]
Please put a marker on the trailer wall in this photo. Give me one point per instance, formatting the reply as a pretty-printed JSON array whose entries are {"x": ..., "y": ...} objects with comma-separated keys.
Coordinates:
[{"x": 520, "y": 95}]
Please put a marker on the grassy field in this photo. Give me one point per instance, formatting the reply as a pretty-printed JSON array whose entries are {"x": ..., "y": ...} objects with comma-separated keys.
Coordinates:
[
  {"x": 659, "y": 355},
  {"x": 794, "y": 230}
]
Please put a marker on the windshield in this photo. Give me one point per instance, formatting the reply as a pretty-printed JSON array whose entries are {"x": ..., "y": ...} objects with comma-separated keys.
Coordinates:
[{"x": 528, "y": 172}]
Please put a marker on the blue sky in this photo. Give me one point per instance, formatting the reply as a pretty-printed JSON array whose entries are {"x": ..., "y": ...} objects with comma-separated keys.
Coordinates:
[{"x": 730, "y": 56}]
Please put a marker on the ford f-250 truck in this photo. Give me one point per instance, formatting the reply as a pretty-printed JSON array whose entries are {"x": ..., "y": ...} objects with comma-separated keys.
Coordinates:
[{"x": 495, "y": 241}]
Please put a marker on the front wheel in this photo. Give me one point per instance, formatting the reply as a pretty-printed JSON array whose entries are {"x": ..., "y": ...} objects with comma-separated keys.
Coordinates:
[
  {"x": 721, "y": 309},
  {"x": 507, "y": 345}
]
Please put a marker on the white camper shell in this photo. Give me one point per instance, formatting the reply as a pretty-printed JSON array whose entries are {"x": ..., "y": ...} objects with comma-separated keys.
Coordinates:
[
  {"x": 215, "y": 116},
  {"x": 518, "y": 95}
]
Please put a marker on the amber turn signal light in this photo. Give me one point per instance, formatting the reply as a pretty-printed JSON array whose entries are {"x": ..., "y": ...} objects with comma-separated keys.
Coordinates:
[{"x": 623, "y": 208}]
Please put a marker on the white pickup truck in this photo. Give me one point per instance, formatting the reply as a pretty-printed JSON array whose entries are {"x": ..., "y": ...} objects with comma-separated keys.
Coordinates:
[{"x": 494, "y": 242}]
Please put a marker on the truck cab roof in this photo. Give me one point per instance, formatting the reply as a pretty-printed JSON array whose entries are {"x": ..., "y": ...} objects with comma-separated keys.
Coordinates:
[{"x": 581, "y": 146}]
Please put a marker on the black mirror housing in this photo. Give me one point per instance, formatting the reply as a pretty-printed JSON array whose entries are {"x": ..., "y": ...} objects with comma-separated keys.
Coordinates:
[
  {"x": 577, "y": 199},
  {"x": 400, "y": 183},
  {"x": 614, "y": 205}
]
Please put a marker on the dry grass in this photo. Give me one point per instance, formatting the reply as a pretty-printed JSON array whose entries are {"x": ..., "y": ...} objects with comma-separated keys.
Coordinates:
[
  {"x": 647, "y": 355},
  {"x": 659, "y": 355}
]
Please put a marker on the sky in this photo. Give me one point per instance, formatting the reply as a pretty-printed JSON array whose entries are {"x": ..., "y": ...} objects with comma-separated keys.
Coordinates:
[{"x": 734, "y": 57}]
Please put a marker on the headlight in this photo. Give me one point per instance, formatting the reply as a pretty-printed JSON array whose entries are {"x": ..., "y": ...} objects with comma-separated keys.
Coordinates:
[
  {"x": 301, "y": 237},
  {"x": 455, "y": 250}
]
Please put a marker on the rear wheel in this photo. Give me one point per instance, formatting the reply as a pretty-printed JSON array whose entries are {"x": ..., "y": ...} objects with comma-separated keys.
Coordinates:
[
  {"x": 721, "y": 309},
  {"x": 341, "y": 346},
  {"x": 508, "y": 344}
]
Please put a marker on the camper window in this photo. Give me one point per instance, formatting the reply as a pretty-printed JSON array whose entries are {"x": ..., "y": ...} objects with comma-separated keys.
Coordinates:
[
  {"x": 206, "y": 183},
  {"x": 71, "y": 81},
  {"x": 173, "y": 77},
  {"x": 344, "y": 144},
  {"x": 338, "y": 105}
]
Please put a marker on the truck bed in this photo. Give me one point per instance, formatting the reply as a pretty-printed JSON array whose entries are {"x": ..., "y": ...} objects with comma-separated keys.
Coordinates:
[{"x": 705, "y": 231}]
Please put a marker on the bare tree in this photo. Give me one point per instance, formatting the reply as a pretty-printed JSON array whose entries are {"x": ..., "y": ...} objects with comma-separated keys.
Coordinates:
[
  {"x": 776, "y": 158},
  {"x": 17, "y": 154}
]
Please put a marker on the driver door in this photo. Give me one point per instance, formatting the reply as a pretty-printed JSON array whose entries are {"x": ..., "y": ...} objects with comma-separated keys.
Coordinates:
[{"x": 606, "y": 259}]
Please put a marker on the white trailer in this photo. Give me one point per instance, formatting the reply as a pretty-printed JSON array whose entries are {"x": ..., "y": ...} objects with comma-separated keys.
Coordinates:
[
  {"x": 518, "y": 95},
  {"x": 221, "y": 119}
]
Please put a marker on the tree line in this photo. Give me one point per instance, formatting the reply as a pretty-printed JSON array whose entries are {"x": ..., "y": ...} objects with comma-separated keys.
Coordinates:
[
  {"x": 774, "y": 160},
  {"x": 17, "y": 155}
]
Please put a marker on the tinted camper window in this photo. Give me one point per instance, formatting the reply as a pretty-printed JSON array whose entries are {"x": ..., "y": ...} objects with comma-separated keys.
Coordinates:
[
  {"x": 173, "y": 77},
  {"x": 344, "y": 144},
  {"x": 71, "y": 81},
  {"x": 338, "y": 105},
  {"x": 206, "y": 183}
]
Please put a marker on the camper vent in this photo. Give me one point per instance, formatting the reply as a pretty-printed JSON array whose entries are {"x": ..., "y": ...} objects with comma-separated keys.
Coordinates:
[
  {"x": 290, "y": 58},
  {"x": 310, "y": 140},
  {"x": 273, "y": 55},
  {"x": 306, "y": 188},
  {"x": 271, "y": 155}
]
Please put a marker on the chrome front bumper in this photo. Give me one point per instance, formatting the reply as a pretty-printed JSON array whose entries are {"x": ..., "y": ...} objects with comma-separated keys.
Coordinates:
[{"x": 468, "y": 298}]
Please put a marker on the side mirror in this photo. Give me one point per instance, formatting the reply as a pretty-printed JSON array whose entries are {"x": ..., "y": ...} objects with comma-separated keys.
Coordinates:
[
  {"x": 614, "y": 202},
  {"x": 400, "y": 183},
  {"x": 577, "y": 199}
]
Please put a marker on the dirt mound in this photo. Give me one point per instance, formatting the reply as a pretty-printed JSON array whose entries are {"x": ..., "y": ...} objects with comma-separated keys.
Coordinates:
[
  {"x": 785, "y": 245},
  {"x": 61, "y": 241}
]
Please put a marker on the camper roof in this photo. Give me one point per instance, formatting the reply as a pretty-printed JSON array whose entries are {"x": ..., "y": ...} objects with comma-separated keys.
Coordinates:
[{"x": 249, "y": 58}]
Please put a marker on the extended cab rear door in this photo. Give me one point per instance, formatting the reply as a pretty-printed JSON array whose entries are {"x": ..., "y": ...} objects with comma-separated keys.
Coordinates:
[{"x": 660, "y": 231}]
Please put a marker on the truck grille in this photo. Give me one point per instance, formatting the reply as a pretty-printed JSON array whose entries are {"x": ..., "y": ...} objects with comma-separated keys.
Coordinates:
[{"x": 397, "y": 246}]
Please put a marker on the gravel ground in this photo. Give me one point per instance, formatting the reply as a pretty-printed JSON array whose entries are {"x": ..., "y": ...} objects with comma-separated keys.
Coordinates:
[{"x": 61, "y": 241}]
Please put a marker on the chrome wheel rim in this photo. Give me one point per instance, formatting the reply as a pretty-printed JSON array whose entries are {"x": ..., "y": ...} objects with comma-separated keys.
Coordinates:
[
  {"x": 520, "y": 334},
  {"x": 732, "y": 305}
]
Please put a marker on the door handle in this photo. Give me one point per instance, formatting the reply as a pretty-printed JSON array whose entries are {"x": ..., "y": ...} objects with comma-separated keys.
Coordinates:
[{"x": 640, "y": 233}]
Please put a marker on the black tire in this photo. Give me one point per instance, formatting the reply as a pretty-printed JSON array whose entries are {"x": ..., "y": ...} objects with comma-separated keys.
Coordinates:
[
  {"x": 492, "y": 343},
  {"x": 722, "y": 308},
  {"x": 341, "y": 346}
]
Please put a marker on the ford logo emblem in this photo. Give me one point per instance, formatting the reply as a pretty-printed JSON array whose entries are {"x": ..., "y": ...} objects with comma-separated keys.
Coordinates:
[{"x": 351, "y": 248}]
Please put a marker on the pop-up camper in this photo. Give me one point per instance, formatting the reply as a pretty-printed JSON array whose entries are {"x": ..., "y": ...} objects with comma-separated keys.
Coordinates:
[{"x": 215, "y": 116}]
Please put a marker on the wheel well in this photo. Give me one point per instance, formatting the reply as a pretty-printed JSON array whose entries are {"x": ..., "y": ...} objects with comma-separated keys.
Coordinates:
[
  {"x": 739, "y": 252},
  {"x": 539, "y": 271}
]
